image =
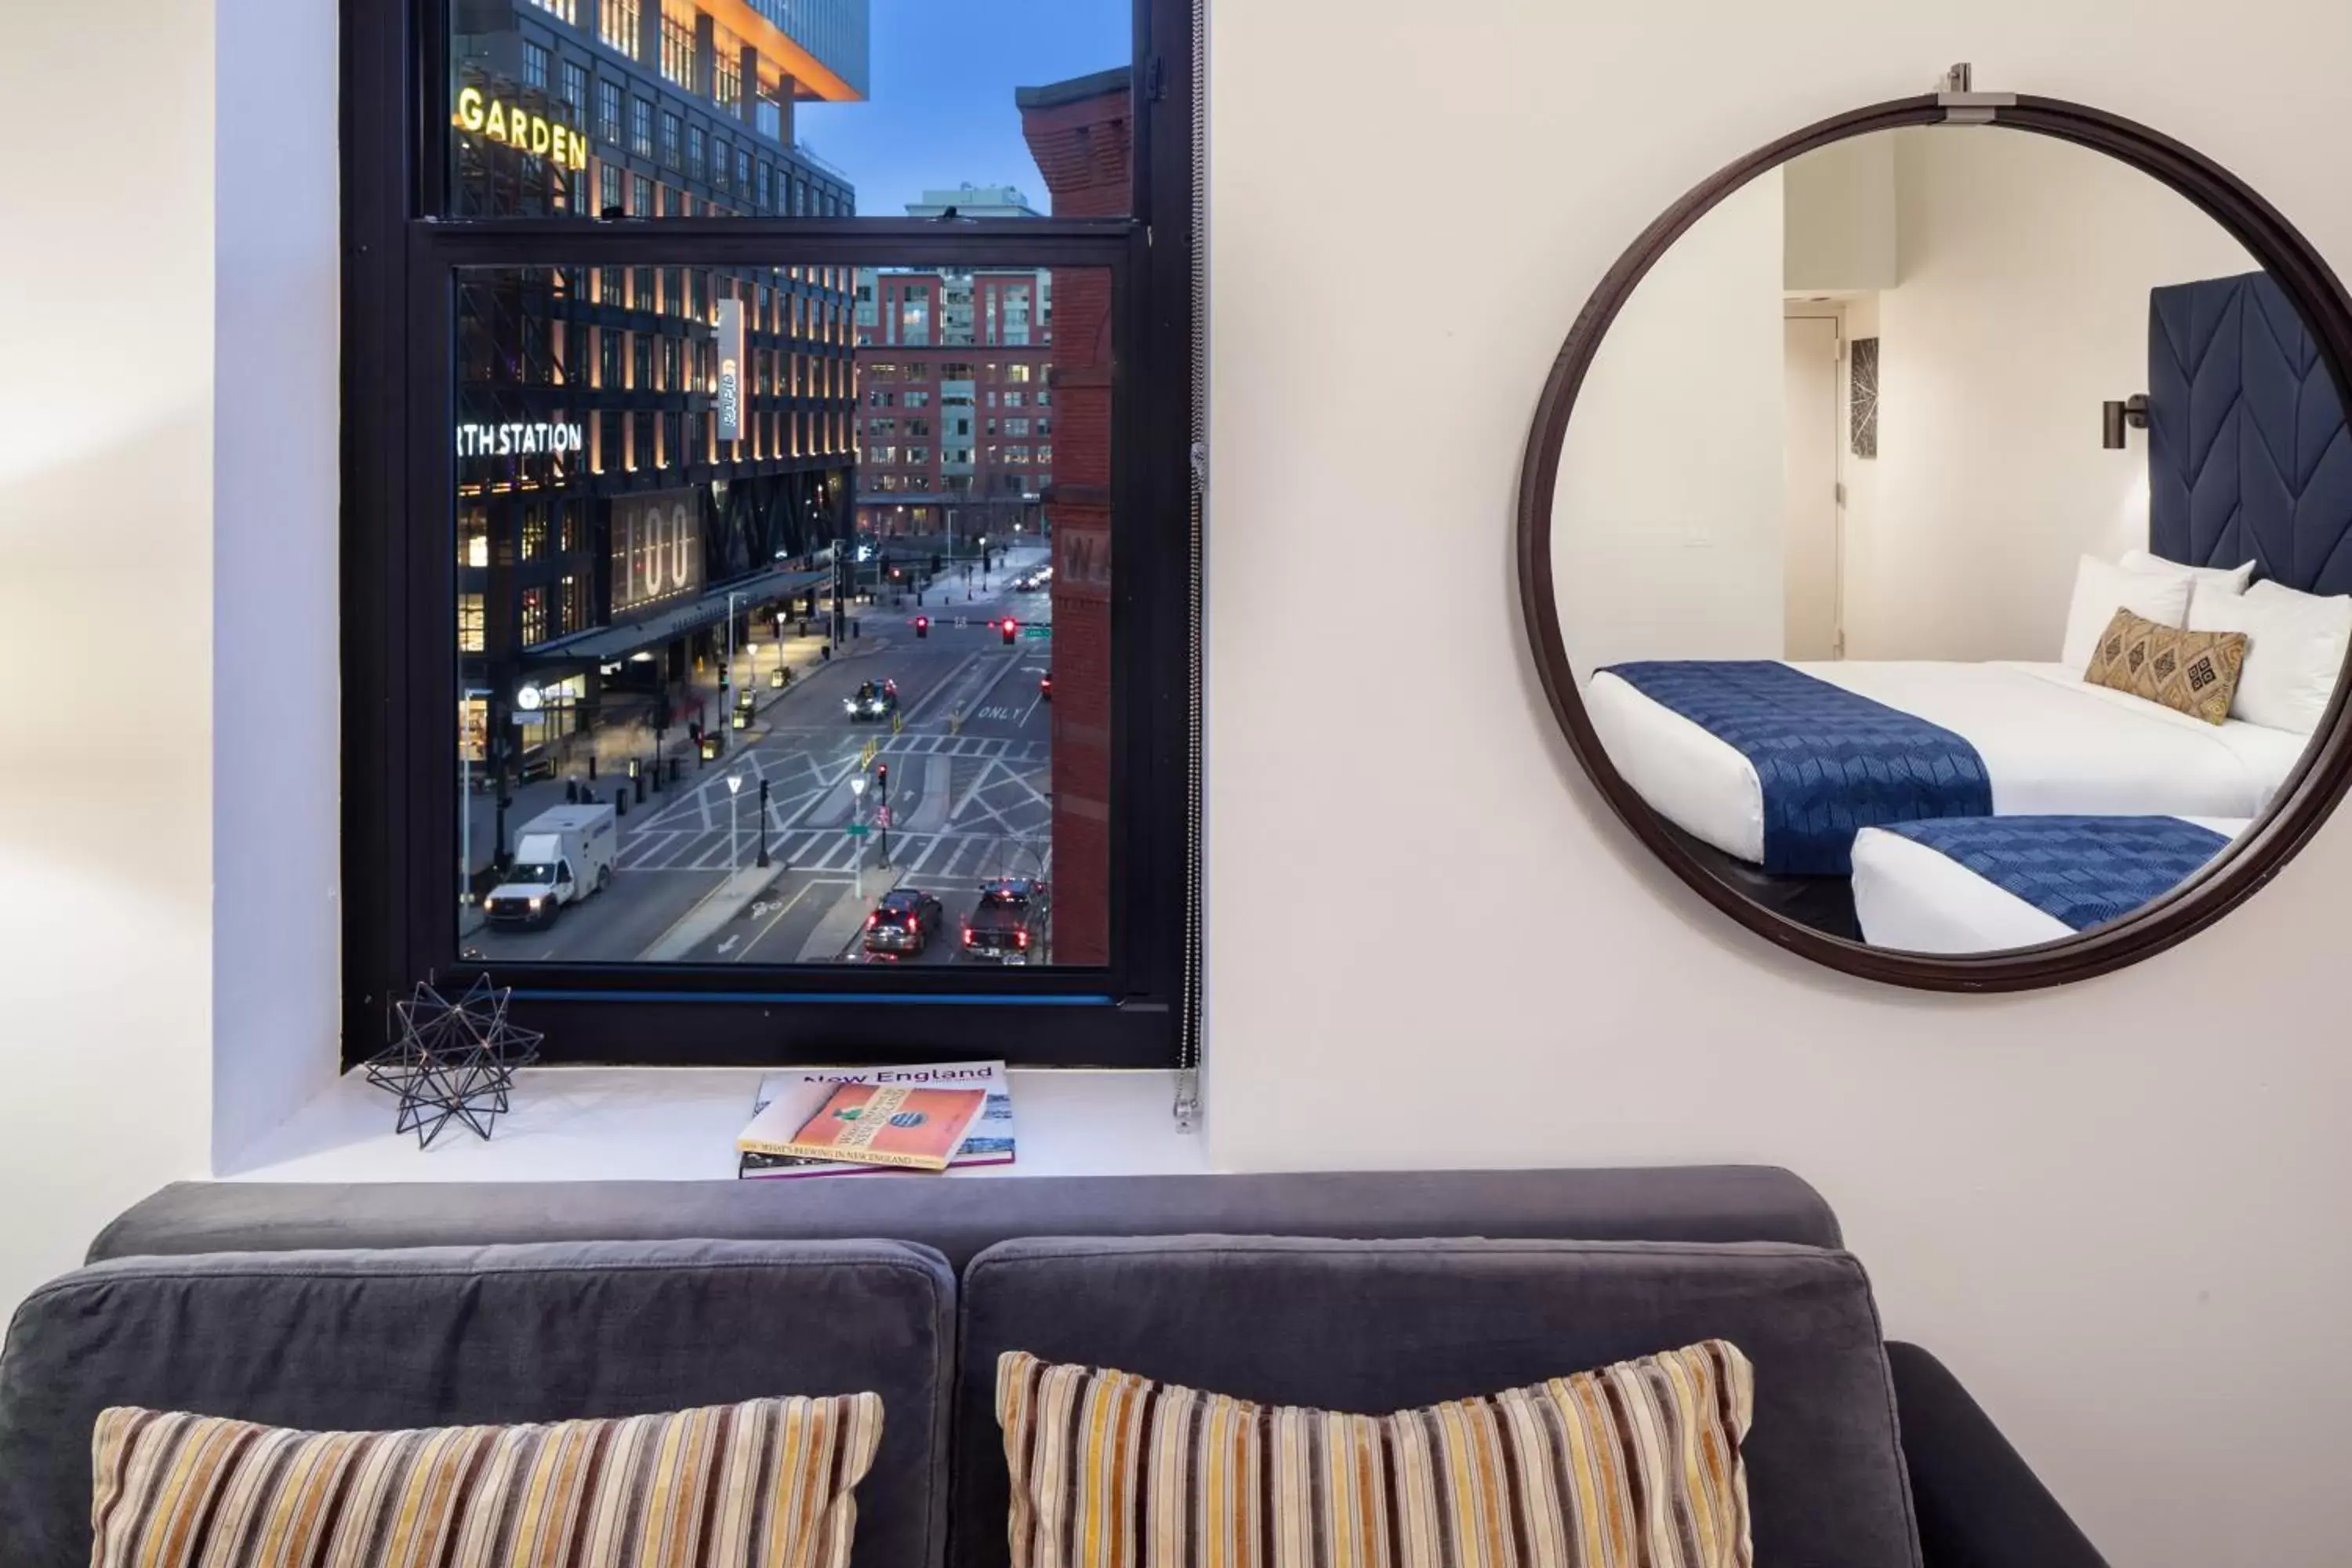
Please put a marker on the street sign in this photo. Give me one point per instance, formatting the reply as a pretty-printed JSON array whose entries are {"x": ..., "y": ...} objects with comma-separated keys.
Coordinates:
[
  {"x": 1038, "y": 633},
  {"x": 858, "y": 830}
]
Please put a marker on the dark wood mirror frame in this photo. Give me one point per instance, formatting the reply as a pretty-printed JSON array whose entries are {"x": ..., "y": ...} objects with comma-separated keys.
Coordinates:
[{"x": 2301, "y": 805}]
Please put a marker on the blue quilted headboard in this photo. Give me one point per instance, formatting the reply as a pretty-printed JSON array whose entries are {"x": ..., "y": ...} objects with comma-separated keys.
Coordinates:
[{"x": 2248, "y": 457}]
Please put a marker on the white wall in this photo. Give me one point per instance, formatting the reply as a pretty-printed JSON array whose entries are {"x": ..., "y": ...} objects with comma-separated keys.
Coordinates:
[
  {"x": 1842, "y": 231},
  {"x": 276, "y": 720},
  {"x": 106, "y": 462},
  {"x": 2108, "y": 1207},
  {"x": 1669, "y": 517},
  {"x": 2022, "y": 307}
]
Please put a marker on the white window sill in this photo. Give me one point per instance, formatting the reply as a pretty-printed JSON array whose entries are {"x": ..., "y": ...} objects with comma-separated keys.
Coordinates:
[{"x": 575, "y": 1124}]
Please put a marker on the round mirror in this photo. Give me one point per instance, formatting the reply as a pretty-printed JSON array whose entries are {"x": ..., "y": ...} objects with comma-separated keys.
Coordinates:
[{"x": 1936, "y": 540}]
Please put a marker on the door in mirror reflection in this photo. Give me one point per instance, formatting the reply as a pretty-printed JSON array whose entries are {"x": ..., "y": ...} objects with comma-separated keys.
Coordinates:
[{"x": 1948, "y": 540}]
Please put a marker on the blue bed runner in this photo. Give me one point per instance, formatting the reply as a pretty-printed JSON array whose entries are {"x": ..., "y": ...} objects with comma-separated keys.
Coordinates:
[
  {"x": 2083, "y": 870},
  {"x": 1831, "y": 763}
]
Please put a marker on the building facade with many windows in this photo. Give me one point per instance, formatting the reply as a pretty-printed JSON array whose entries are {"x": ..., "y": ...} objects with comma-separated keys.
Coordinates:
[
  {"x": 956, "y": 405},
  {"x": 609, "y": 498}
]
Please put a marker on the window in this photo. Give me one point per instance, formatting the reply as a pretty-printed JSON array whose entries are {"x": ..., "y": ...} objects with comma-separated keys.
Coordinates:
[
  {"x": 565, "y": 10},
  {"x": 608, "y": 111},
  {"x": 616, "y": 25},
  {"x": 575, "y": 89},
  {"x": 535, "y": 65},
  {"x": 727, "y": 71},
  {"x": 677, "y": 49},
  {"x": 640, "y": 498}
]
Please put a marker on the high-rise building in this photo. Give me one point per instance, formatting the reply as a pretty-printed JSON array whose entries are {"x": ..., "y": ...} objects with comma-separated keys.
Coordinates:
[
  {"x": 634, "y": 445},
  {"x": 956, "y": 412}
]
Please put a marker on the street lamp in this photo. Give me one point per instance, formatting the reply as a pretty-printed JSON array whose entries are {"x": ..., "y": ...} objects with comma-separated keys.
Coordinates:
[
  {"x": 857, "y": 839},
  {"x": 734, "y": 840}
]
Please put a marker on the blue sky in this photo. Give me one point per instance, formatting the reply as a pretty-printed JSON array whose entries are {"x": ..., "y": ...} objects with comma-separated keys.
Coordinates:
[{"x": 941, "y": 108}]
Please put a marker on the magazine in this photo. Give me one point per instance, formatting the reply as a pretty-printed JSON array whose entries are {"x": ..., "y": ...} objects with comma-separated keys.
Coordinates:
[
  {"x": 870, "y": 1124},
  {"x": 988, "y": 1142}
]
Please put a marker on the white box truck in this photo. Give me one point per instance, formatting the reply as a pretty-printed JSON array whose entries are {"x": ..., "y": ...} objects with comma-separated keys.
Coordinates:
[{"x": 560, "y": 857}]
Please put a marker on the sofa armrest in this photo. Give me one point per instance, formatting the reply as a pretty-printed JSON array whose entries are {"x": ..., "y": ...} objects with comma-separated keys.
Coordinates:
[{"x": 1979, "y": 1505}]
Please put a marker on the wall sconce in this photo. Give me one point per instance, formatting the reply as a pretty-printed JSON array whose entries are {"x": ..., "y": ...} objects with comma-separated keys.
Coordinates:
[{"x": 2132, "y": 413}]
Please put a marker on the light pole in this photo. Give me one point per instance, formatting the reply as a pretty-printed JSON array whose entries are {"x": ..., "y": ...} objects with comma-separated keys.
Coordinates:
[
  {"x": 857, "y": 838},
  {"x": 734, "y": 837},
  {"x": 729, "y": 683}
]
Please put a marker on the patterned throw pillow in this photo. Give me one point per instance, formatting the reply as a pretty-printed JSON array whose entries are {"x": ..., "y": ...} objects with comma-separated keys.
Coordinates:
[
  {"x": 2194, "y": 672},
  {"x": 1637, "y": 1463},
  {"x": 766, "y": 1484}
]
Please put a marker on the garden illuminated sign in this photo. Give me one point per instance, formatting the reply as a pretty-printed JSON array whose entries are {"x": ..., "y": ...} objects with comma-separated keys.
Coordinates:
[{"x": 520, "y": 128}]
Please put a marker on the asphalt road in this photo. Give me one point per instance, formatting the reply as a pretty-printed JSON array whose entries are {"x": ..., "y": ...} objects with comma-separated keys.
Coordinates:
[{"x": 969, "y": 783}]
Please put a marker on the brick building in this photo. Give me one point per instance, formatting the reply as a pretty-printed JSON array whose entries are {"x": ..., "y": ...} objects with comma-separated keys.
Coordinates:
[
  {"x": 1081, "y": 133},
  {"x": 955, "y": 410}
]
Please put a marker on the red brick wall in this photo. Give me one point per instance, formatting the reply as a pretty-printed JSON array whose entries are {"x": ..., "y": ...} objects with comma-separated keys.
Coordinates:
[{"x": 1086, "y": 150}]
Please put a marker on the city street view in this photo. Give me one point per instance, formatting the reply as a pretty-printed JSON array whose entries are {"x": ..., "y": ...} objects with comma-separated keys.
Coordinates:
[
  {"x": 950, "y": 790},
  {"x": 762, "y": 570}
]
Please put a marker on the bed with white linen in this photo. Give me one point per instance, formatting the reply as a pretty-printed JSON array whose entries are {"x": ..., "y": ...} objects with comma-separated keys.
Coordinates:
[
  {"x": 2052, "y": 744},
  {"x": 1909, "y": 896}
]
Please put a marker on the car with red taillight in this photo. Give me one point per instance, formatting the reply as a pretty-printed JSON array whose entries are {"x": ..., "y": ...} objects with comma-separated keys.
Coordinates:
[
  {"x": 1008, "y": 926},
  {"x": 902, "y": 923}
]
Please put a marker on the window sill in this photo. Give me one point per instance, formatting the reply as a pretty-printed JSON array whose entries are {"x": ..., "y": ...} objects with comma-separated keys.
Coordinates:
[{"x": 575, "y": 1124}]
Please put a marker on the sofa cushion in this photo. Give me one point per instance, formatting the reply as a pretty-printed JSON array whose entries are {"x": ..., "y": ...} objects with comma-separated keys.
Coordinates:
[
  {"x": 1378, "y": 1326},
  {"x": 768, "y": 1483},
  {"x": 1692, "y": 1203},
  {"x": 448, "y": 1336},
  {"x": 1630, "y": 1466}
]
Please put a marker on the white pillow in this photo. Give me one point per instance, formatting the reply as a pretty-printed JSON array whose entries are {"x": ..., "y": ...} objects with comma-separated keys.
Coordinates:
[
  {"x": 2209, "y": 579},
  {"x": 2294, "y": 650},
  {"x": 2101, "y": 589}
]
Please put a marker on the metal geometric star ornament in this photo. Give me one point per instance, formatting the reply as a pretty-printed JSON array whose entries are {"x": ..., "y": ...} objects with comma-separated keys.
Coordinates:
[{"x": 453, "y": 1060}]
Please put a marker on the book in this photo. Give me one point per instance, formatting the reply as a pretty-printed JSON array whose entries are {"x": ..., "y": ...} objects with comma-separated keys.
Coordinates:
[
  {"x": 989, "y": 1140},
  {"x": 877, "y": 1124}
]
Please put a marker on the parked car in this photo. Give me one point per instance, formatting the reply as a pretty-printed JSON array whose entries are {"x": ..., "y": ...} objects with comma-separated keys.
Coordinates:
[
  {"x": 903, "y": 923},
  {"x": 873, "y": 702},
  {"x": 1009, "y": 923}
]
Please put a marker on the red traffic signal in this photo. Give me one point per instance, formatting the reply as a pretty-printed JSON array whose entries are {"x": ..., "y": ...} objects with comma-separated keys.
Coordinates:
[
  {"x": 882, "y": 774},
  {"x": 1010, "y": 626},
  {"x": 922, "y": 626}
]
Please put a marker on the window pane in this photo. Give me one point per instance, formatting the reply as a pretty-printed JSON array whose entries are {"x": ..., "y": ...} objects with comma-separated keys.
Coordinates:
[
  {"x": 757, "y": 623},
  {"x": 795, "y": 108}
]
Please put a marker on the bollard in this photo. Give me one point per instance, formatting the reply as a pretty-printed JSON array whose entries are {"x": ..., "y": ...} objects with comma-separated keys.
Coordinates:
[
  {"x": 641, "y": 789},
  {"x": 676, "y": 768},
  {"x": 857, "y": 629},
  {"x": 827, "y": 650},
  {"x": 620, "y": 801},
  {"x": 592, "y": 767}
]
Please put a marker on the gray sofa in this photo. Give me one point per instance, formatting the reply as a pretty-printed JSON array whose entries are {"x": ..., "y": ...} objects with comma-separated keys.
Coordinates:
[{"x": 410, "y": 1305}]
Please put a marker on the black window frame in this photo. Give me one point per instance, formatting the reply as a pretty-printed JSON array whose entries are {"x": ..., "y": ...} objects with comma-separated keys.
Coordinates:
[{"x": 400, "y": 596}]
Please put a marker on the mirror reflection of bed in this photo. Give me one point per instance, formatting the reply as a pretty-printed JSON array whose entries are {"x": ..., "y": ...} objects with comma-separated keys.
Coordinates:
[{"x": 1951, "y": 539}]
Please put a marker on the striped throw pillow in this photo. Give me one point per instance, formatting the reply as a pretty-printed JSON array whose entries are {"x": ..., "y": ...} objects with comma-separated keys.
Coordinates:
[
  {"x": 1637, "y": 1463},
  {"x": 766, "y": 1484}
]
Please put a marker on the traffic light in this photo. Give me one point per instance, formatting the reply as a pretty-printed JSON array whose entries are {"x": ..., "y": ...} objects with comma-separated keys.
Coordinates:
[
  {"x": 882, "y": 778},
  {"x": 1010, "y": 626},
  {"x": 922, "y": 626}
]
